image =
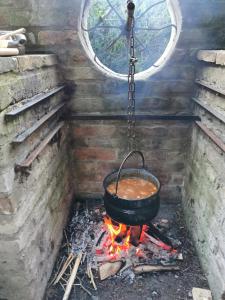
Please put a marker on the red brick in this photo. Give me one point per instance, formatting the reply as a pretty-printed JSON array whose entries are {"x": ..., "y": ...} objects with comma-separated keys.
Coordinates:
[
  {"x": 89, "y": 187},
  {"x": 94, "y": 170},
  {"x": 86, "y": 170},
  {"x": 86, "y": 131},
  {"x": 177, "y": 179},
  {"x": 78, "y": 56},
  {"x": 95, "y": 153},
  {"x": 104, "y": 168}
]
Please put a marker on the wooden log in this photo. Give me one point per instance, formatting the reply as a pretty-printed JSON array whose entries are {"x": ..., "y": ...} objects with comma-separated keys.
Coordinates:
[
  {"x": 109, "y": 269},
  {"x": 103, "y": 258},
  {"x": 9, "y": 51},
  {"x": 156, "y": 233},
  {"x": 72, "y": 277},
  {"x": 157, "y": 242},
  {"x": 5, "y": 36},
  {"x": 153, "y": 268},
  {"x": 201, "y": 294}
]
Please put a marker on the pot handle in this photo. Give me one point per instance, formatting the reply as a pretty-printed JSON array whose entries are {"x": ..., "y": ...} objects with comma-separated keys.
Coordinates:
[{"x": 123, "y": 162}]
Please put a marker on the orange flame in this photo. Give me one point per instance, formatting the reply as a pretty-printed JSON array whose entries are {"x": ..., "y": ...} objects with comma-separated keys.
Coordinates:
[
  {"x": 120, "y": 236},
  {"x": 116, "y": 231}
]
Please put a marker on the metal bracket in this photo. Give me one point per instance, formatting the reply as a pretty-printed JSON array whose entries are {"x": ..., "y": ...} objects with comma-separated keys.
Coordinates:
[
  {"x": 139, "y": 117},
  {"x": 25, "y": 165}
]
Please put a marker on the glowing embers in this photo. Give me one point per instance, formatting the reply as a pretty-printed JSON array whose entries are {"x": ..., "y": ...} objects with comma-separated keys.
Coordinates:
[{"x": 136, "y": 244}]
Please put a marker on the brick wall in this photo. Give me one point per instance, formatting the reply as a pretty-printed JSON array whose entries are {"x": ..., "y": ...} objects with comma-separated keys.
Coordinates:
[
  {"x": 168, "y": 92},
  {"x": 33, "y": 206},
  {"x": 96, "y": 153},
  {"x": 52, "y": 27},
  {"x": 204, "y": 193},
  {"x": 97, "y": 148}
]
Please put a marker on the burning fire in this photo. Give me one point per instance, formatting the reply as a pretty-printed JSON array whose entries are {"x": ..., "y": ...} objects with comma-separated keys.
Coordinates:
[
  {"x": 122, "y": 238},
  {"x": 119, "y": 237},
  {"x": 120, "y": 246}
]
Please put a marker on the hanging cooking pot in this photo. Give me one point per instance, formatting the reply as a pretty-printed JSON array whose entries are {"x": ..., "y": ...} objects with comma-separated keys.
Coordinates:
[{"x": 133, "y": 211}]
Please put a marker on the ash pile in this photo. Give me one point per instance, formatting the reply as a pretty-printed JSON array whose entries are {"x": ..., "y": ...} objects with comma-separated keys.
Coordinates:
[{"x": 96, "y": 248}]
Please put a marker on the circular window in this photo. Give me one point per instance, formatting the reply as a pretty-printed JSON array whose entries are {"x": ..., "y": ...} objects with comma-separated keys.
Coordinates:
[{"x": 104, "y": 35}]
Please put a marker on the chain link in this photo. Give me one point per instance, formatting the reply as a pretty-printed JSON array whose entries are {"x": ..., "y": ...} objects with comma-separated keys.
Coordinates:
[{"x": 131, "y": 87}]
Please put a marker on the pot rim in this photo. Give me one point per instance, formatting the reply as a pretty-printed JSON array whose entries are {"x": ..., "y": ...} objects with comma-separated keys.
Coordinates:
[{"x": 132, "y": 169}]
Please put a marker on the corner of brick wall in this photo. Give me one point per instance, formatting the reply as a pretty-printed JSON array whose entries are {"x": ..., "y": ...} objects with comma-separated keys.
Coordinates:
[
  {"x": 204, "y": 190},
  {"x": 33, "y": 207}
]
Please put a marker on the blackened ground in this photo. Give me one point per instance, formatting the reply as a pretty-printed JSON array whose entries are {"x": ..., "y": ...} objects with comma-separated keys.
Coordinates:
[{"x": 164, "y": 286}]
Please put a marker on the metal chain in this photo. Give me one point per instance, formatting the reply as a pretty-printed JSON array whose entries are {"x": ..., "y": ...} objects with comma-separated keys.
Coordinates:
[{"x": 131, "y": 88}]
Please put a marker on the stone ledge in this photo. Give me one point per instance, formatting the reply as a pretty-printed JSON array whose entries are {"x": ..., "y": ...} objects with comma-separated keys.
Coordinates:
[
  {"x": 8, "y": 64},
  {"x": 26, "y": 62},
  {"x": 15, "y": 87},
  {"x": 36, "y": 61},
  {"x": 212, "y": 56}
]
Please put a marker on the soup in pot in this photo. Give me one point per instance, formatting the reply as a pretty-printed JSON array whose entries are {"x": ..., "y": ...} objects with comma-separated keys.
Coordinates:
[{"x": 133, "y": 188}]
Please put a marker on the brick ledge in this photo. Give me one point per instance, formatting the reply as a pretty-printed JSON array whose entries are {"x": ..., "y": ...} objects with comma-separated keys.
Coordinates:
[
  {"x": 26, "y": 62},
  {"x": 212, "y": 56}
]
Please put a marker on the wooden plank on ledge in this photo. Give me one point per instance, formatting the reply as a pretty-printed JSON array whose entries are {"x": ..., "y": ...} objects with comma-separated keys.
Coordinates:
[
  {"x": 23, "y": 136},
  {"x": 211, "y": 135},
  {"x": 210, "y": 86},
  {"x": 27, "y": 103},
  {"x": 33, "y": 155},
  {"x": 210, "y": 110}
]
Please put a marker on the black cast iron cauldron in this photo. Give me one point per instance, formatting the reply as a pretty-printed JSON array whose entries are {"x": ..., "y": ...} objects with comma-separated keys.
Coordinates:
[{"x": 131, "y": 212}]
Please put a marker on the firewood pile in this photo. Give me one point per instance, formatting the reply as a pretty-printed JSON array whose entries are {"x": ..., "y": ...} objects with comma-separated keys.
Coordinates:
[
  {"x": 12, "y": 43},
  {"x": 99, "y": 250}
]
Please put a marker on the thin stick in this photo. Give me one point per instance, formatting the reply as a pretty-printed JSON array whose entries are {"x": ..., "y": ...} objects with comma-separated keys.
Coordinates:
[
  {"x": 67, "y": 242},
  {"x": 84, "y": 257},
  {"x": 70, "y": 258},
  {"x": 88, "y": 272},
  {"x": 62, "y": 286},
  {"x": 63, "y": 279},
  {"x": 56, "y": 274},
  {"x": 92, "y": 278},
  {"x": 86, "y": 290},
  {"x": 72, "y": 277},
  {"x": 81, "y": 285}
]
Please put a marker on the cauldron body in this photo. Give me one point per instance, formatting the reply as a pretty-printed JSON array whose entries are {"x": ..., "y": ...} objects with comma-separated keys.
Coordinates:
[{"x": 131, "y": 212}]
